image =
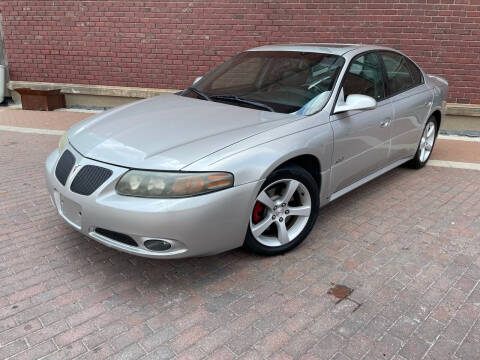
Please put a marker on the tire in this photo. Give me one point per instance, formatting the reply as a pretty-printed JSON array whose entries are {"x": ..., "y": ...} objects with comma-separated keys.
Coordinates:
[
  {"x": 282, "y": 205},
  {"x": 425, "y": 147}
]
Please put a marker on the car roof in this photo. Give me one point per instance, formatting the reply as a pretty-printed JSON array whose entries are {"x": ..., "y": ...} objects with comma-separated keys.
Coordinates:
[{"x": 325, "y": 48}]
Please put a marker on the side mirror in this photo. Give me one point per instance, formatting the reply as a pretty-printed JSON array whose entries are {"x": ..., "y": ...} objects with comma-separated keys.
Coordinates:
[
  {"x": 197, "y": 80},
  {"x": 356, "y": 102}
]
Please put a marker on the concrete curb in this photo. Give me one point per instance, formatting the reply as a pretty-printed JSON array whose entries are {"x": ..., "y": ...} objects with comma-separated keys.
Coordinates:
[{"x": 466, "y": 133}]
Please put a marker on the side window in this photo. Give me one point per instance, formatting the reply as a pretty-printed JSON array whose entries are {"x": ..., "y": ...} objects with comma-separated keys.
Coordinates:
[
  {"x": 365, "y": 77},
  {"x": 402, "y": 74}
]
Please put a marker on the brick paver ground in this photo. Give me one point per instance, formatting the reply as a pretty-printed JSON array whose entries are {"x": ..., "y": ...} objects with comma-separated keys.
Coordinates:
[
  {"x": 54, "y": 120},
  {"x": 452, "y": 150},
  {"x": 408, "y": 243}
]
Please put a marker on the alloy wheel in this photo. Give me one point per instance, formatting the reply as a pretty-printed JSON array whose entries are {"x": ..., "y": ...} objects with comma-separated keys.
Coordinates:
[
  {"x": 281, "y": 212},
  {"x": 426, "y": 143}
]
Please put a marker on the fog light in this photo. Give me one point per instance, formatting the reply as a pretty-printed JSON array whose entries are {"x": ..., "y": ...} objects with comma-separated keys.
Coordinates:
[{"x": 157, "y": 245}]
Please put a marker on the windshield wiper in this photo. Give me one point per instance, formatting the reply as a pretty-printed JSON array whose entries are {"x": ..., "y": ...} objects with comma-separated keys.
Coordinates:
[
  {"x": 242, "y": 100},
  {"x": 198, "y": 92}
]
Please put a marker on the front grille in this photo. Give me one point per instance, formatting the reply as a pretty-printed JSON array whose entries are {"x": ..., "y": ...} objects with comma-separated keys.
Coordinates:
[
  {"x": 89, "y": 179},
  {"x": 113, "y": 235},
  {"x": 64, "y": 166}
]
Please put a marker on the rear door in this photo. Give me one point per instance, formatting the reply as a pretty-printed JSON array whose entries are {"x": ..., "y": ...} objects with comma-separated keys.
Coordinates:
[
  {"x": 411, "y": 101},
  {"x": 361, "y": 138}
]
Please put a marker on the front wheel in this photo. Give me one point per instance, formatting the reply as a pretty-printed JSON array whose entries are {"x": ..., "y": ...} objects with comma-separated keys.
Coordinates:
[
  {"x": 425, "y": 147},
  {"x": 284, "y": 212}
]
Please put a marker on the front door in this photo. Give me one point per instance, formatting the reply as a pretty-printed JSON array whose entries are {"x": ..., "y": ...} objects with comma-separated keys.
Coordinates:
[{"x": 361, "y": 138}]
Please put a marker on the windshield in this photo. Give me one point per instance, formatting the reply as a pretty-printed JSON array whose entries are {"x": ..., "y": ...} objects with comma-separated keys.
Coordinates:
[{"x": 280, "y": 81}]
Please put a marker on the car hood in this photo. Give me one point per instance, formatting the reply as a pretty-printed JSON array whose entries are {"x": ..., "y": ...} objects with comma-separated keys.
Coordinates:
[{"x": 168, "y": 132}]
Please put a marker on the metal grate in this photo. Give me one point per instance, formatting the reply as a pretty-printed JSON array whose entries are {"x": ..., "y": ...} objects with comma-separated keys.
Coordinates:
[
  {"x": 89, "y": 179},
  {"x": 113, "y": 235},
  {"x": 64, "y": 166}
]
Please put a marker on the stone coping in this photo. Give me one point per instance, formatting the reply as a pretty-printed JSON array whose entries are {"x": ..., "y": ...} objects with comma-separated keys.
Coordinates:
[{"x": 99, "y": 90}]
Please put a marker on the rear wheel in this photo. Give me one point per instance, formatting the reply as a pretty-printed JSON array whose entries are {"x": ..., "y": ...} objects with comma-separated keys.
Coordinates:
[
  {"x": 425, "y": 147},
  {"x": 284, "y": 212}
]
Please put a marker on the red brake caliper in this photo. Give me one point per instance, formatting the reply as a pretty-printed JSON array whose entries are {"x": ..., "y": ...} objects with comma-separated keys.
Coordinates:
[{"x": 257, "y": 212}]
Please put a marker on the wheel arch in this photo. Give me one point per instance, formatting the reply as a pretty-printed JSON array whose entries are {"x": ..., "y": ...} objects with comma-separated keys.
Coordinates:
[
  {"x": 307, "y": 161},
  {"x": 311, "y": 149},
  {"x": 437, "y": 114}
]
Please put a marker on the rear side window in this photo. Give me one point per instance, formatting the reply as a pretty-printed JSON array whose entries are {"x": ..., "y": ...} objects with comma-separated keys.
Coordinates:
[{"x": 402, "y": 74}]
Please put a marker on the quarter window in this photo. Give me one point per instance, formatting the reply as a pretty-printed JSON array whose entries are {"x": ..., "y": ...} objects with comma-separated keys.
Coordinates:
[
  {"x": 365, "y": 77},
  {"x": 416, "y": 73},
  {"x": 402, "y": 74}
]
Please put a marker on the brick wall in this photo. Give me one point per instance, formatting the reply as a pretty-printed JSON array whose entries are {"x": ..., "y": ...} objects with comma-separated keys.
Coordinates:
[{"x": 166, "y": 44}]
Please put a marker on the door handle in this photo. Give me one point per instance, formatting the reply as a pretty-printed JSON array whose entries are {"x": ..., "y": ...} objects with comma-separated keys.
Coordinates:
[{"x": 385, "y": 123}]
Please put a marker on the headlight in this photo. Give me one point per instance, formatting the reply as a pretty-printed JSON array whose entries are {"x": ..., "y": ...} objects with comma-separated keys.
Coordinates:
[
  {"x": 172, "y": 184},
  {"x": 62, "y": 142}
]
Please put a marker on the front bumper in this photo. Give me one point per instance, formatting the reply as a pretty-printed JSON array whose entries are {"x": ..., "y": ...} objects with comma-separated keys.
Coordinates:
[{"x": 194, "y": 226}]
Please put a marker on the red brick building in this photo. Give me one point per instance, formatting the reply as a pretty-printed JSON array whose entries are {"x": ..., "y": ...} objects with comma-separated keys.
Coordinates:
[{"x": 166, "y": 44}]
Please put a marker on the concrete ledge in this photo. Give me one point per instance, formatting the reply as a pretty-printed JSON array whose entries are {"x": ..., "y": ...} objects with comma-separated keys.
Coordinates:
[
  {"x": 463, "y": 109},
  {"x": 96, "y": 90},
  {"x": 98, "y": 96},
  {"x": 97, "y": 101}
]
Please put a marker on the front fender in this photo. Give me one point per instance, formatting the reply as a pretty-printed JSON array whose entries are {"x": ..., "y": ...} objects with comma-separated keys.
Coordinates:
[{"x": 256, "y": 162}]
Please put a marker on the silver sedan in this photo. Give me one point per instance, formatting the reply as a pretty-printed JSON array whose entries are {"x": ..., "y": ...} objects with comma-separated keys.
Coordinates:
[{"x": 248, "y": 154}]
